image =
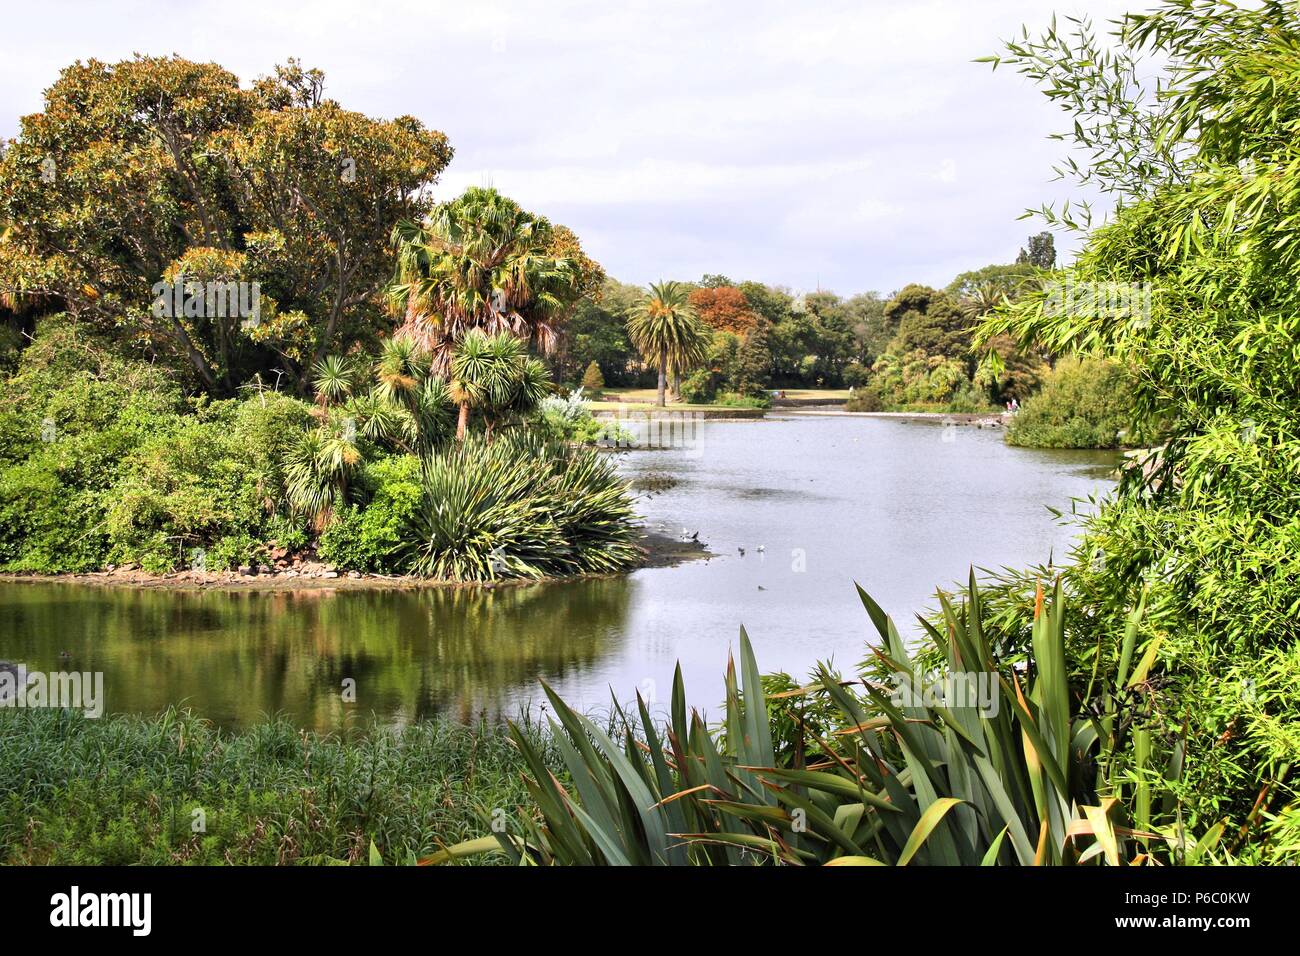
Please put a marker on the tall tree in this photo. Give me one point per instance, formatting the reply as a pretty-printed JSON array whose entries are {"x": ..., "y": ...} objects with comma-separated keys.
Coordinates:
[
  {"x": 480, "y": 261},
  {"x": 1041, "y": 253},
  {"x": 159, "y": 169},
  {"x": 724, "y": 308},
  {"x": 665, "y": 329}
]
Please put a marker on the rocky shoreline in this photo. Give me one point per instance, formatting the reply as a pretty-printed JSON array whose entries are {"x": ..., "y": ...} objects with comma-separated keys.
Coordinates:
[{"x": 660, "y": 551}]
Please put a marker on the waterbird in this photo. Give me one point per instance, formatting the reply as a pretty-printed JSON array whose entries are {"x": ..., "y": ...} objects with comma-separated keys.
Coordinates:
[{"x": 742, "y": 551}]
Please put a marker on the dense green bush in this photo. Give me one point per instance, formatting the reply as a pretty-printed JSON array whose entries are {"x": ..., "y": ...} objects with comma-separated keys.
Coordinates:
[
  {"x": 71, "y": 413},
  {"x": 124, "y": 790},
  {"x": 865, "y": 398},
  {"x": 367, "y": 538},
  {"x": 570, "y": 420},
  {"x": 1203, "y": 246},
  {"x": 102, "y": 460},
  {"x": 737, "y": 400},
  {"x": 1085, "y": 403}
]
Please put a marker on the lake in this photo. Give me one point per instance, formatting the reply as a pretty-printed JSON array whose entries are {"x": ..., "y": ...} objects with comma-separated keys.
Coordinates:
[{"x": 899, "y": 506}]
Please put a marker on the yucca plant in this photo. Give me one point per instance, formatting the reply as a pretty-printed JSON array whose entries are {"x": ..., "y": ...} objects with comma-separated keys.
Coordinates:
[
  {"x": 520, "y": 507},
  {"x": 1005, "y": 767},
  {"x": 334, "y": 379}
]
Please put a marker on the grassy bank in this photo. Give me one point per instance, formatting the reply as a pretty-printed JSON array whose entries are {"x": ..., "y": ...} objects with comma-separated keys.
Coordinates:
[{"x": 125, "y": 790}]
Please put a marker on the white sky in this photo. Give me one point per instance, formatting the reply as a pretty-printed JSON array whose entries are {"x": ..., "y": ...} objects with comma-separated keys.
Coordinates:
[{"x": 851, "y": 145}]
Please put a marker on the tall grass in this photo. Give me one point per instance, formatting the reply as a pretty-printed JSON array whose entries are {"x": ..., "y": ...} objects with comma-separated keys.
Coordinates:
[{"x": 125, "y": 790}]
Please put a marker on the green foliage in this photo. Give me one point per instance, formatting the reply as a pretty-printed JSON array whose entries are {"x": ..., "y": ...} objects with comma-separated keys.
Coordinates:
[
  {"x": 570, "y": 420},
  {"x": 592, "y": 380},
  {"x": 520, "y": 507},
  {"x": 596, "y": 331},
  {"x": 666, "y": 331},
  {"x": 1041, "y": 253},
  {"x": 1010, "y": 280},
  {"x": 1204, "y": 242},
  {"x": 1086, "y": 403},
  {"x": 494, "y": 375},
  {"x": 930, "y": 322},
  {"x": 735, "y": 400},
  {"x": 866, "y": 398},
  {"x": 976, "y": 764},
  {"x": 124, "y": 790},
  {"x": 482, "y": 262},
  {"x": 153, "y": 169},
  {"x": 368, "y": 538},
  {"x": 71, "y": 414}
]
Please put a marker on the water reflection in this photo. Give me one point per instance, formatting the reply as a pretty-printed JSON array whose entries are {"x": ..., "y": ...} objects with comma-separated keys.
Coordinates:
[{"x": 899, "y": 507}]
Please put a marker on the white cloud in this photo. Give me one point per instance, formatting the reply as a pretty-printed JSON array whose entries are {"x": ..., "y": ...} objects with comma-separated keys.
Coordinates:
[{"x": 846, "y": 143}]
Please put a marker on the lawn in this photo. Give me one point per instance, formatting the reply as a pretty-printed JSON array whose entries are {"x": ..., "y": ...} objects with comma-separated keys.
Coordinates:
[{"x": 636, "y": 397}]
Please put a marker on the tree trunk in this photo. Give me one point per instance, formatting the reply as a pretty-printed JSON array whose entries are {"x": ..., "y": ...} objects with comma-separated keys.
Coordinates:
[
  {"x": 663, "y": 375},
  {"x": 462, "y": 421},
  {"x": 677, "y": 386}
]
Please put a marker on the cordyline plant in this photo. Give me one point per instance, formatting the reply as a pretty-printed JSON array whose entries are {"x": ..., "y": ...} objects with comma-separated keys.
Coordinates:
[{"x": 1027, "y": 778}]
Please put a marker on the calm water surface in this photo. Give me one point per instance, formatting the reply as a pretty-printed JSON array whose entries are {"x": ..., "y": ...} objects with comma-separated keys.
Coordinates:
[{"x": 897, "y": 506}]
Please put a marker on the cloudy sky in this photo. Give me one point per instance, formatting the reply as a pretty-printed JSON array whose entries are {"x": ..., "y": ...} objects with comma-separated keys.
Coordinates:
[{"x": 847, "y": 146}]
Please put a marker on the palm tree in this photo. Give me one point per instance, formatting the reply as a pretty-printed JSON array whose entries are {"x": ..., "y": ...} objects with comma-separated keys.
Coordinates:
[
  {"x": 983, "y": 299},
  {"x": 317, "y": 471},
  {"x": 494, "y": 373},
  {"x": 480, "y": 262},
  {"x": 334, "y": 379},
  {"x": 665, "y": 329}
]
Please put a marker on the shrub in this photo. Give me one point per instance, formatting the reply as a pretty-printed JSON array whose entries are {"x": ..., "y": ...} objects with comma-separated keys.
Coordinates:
[
  {"x": 734, "y": 400},
  {"x": 700, "y": 387},
  {"x": 368, "y": 538},
  {"x": 977, "y": 763},
  {"x": 592, "y": 379},
  {"x": 570, "y": 420},
  {"x": 1086, "y": 403},
  {"x": 186, "y": 485},
  {"x": 856, "y": 375},
  {"x": 520, "y": 507},
  {"x": 867, "y": 398},
  {"x": 71, "y": 414}
]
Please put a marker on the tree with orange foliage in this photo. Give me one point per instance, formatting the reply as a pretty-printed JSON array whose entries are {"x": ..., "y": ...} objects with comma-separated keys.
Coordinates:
[{"x": 725, "y": 309}]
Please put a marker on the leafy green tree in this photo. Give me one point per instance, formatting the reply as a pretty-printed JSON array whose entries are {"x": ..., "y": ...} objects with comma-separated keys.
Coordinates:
[
  {"x": 480, "y": 261},
  {"x": 928, "y": 321},
  {"x": 159, "y": 169},
  {"x": 665, "y": 330},
  {"x": 597, "y": 332},
  {"x": 749, "y": 374},
  {"x": 1010, "y": 280},
  {"x": 1041, "y": 253},
  {"x": 592, "y": 380},
  {"x": 1204, "y": 527}
]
